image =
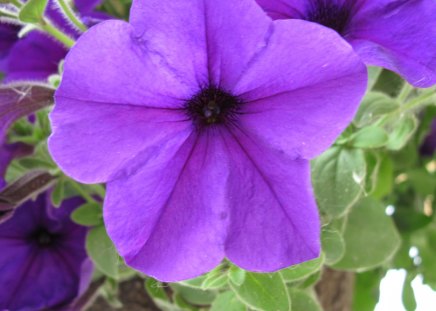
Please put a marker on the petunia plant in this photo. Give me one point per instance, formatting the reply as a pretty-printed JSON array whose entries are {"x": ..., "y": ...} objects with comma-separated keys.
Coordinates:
[{"x": 227, "y": 155}]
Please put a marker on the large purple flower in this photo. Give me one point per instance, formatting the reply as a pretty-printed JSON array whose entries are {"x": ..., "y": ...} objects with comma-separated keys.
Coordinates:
[
  {"x": 36, "y": 56},
  {"x": 399, "y": 35},
  {"x": 43, "y": 262},
  {"x": 201, "y": 115}
]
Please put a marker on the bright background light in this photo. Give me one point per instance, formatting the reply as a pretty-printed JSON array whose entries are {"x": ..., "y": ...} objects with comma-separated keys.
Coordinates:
[{"x": 391, "y": 289}]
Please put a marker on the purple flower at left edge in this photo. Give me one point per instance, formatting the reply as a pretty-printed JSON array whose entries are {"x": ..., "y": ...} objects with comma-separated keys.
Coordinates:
[
  {"x": 428, "y": 146},
  {"x": 399, "y": 35},
  {"x": 9, "y": 152},
  {"x": 43, "y": 261},
  {"x": 201, "y": 116},
  {"x": 36, "y": 56}
]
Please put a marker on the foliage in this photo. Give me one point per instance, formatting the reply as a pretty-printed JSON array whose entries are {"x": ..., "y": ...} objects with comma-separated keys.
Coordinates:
[{"x": 375, "y": 191}]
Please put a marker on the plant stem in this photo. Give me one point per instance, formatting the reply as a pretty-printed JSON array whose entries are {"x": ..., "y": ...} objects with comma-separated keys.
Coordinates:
[
  {"x": 48, "y": 27},
  {"x": 405, "y": 92},
  {"x": 17, "y": 3},
  {"x": 69, "y": 13},
  {"x": 7, "y": 13},
  {"x": 82, "y": 192},
  {"x": 418, "y": 100}
]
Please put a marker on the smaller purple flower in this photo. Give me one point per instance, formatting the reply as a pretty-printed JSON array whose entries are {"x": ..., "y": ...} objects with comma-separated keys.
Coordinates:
[
  {"x": 428, "y": 147},
  {"x": 43, "y": 262},
  {"x": 399, "y": 35},
  {"x": 36, "y": 56}
]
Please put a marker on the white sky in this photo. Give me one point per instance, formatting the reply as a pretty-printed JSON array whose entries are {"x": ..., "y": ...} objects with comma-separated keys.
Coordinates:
[{"x": 391, "y": 288}]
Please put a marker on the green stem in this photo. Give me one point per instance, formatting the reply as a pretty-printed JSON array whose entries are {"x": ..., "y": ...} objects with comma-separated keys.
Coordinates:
[
  {"x": 82, "y": 192},
  {"x": 405, "y": 92},
  {"x": 17, "y": 3},
  {"x": 7, "y": 13},
  {"x": 69, "y": 13},
  {"x": 49, "y": 28},
  {"x": 418, "y": 100}
]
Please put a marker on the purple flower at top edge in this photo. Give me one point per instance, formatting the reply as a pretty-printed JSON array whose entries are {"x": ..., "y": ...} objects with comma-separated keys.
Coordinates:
[
  {"x": 201, "y": 116},
  {"x": 36, "y": 56},
  {"x": 43, "y": 262},
  {"x": 399, "y": 35},
  {"x": 428, "y": 147}
]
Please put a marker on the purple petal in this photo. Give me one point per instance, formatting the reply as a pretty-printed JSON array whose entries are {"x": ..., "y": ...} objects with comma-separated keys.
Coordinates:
[
  {"x": 169, "y": 219},
  {"x": 213, "y": 44},
  {"x": 21, "y": 99},
  {"x": 300, "y": 104},
  {"x": 274, "y": 220},
  {"x": 34, "y": 57},
  {"x": 110, "y": 65},
  {"x": 400, "y": 36},
  {"x": 96, "y": 142},
  {"x": 107, "y": 114},
  {"x": 7, "y": 154},
  {"x": 428, "y": 147},
  {"x": 8, "y": 37},
  {"x": 86, "y": 6},
  {"x": 284, "y": 9}
]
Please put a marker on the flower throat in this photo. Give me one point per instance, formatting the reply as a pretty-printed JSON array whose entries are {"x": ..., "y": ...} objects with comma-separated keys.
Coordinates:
[
  {"x": 211, "y": 106},
  {"x": 331, "y": 14}
]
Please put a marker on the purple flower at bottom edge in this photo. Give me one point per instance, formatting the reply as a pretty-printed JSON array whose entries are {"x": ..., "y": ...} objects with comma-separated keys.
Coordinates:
[
  {"x": 43, "y": 262},
  {"x": 399, "y": 35},
  {"x": 37, "y": 55},
  {"x": 201, "y": 117}
]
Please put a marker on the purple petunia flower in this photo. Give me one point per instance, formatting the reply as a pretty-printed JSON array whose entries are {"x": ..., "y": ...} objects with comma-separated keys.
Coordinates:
[
  {"x": 36, "y": 56},
  {"x": 43, "y": 262},
  {"x": 399, "y": 35},
  {"x": 201, "y": 116}
]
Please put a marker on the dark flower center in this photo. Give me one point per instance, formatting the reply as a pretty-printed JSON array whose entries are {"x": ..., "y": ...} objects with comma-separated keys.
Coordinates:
[
  {"x": 43, "y": 238},
  {"x": 330, "y": 14},
  {"x": 212, "y": 105}
]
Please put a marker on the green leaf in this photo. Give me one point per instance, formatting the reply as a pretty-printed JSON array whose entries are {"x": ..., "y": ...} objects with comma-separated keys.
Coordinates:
[
  {"x": 422, "y": 181},
  {"x": 373, "y": 160},
  {"x": 408, "y": 297},
  {"x": 263, "y": 292},
  {"x": 237, "y": 275},
  {"x": 338, "y": 177},
  {"x": 156, "y": 291},
  {"x": 214, "y": 280},
  {"x": 400, "y": 131},
  {"x": 374, "y": 106},
  {"x": 302, "y": 270},
  {"x": 102, "y": 251},
  {"x": 385, "y": 178},
  {"x": 57, "y": 195},
  {"x": 303, "y": 300},
  {"x": 366, "y": 290},
  {"x": 369, "y": 137},
  {"x": 333, "y": 245},
  {"x": 373, "y": 74},
  {"x": 88, "y": 214},
  {"x": 193, "y": 295},
  {"x": 227, "y": 301},
  {"x": 33, "y": 11},
  {"x": 370, "y": 237}
]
